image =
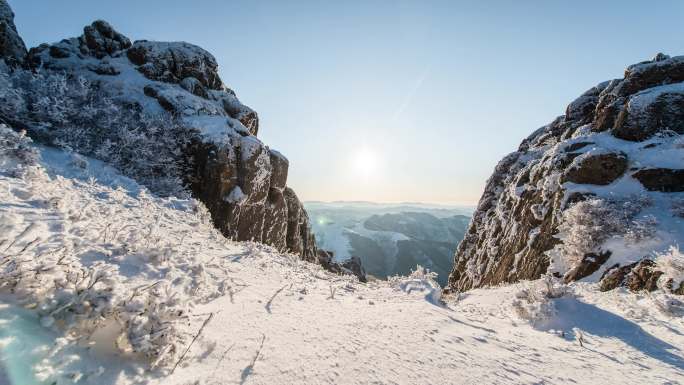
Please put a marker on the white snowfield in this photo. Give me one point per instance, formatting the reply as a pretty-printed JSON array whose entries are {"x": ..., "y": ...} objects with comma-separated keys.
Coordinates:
[{"x": 242, "y": 313}]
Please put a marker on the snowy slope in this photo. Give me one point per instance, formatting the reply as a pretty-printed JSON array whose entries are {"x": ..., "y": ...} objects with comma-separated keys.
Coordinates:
[{"x": 253, "y": 315}]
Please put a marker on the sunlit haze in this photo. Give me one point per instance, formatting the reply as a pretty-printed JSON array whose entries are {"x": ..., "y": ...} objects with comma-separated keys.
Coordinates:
[{"x": 392, "y": 101}]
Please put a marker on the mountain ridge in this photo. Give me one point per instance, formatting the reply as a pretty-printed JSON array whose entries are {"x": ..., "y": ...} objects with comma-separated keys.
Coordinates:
[
  {"x": 199, "y": 137},
  {"x": 593, "y": 193}
]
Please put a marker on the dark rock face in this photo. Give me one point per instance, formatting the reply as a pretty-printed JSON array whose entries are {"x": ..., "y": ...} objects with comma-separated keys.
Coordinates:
[
  {"x": 244, "y": 187},
  {"x": 661, "y": 179},
  {"x": 600, "y": 169},
  {"x": 514, "y": 234},
  {"x": 100, "y": 39},
  {"x": 173, "y": 62},
  {"x": 665, "y": 113},
  {"x": 354, "y": 265},
  {"x": 587, "y": 266},
  {"x": 300, "y": 240},
  {"x": 12, "y": 47},
  {"x": 637, "y": 276},
  {"x": 240, "y": 179},
  {"x": 351, "y": 266}
]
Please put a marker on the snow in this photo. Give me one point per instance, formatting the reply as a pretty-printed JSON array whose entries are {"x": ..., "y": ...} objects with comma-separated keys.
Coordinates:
[
  {"x": 656, "y": 214},
  {"x": 422, "y": 282},
  {"x": 236, "y": 195},
  {"x": 207, "y": 116},
  {"x": 254, "y": 315},
  {"x": 640, "y": 101}
]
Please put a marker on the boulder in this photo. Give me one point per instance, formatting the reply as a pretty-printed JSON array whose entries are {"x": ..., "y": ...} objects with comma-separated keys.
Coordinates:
[
  {"x": 665, "y": 113},
  {"x": 637, "y": 276},
  {"x": 661, "y": 179},
  {"x": 587, "y": 266},
  {"x": 100, "y": 39},
  {"x": 279, "y": 168},
  {"x": 353, "y": 265},
  {"x": 173, "y": 62},
  {"x": 599, "y": 169},
  {"x": 239, "y": 111},
  {"x": 254, "y": 169},
  {"x": 194, "y": 86},
  {"x": 661, "y": 70}
]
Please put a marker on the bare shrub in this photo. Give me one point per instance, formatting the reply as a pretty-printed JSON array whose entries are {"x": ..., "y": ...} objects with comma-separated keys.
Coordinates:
[
  {"x": 16, "y": 152},
  {"x": 587, "y": 224},
  {"x": 534, "y": 301},
  {"x": 671, "y": 264}
]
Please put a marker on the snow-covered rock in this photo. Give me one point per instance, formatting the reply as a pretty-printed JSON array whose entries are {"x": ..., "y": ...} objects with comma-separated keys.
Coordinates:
[
  {"x": 161, "y": 104},
  {"x": 597, "y": 189}
]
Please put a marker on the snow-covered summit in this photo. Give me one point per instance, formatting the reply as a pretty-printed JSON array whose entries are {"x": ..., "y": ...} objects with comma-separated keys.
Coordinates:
[{"x": 160, "y": 113}]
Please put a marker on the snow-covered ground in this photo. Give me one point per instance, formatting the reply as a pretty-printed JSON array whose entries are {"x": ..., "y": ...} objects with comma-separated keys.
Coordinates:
[{"x": 242, "y": 313}]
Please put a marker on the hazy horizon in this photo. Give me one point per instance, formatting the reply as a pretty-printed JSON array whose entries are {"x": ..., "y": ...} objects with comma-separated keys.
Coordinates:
[{"x": 391, "y": 101}]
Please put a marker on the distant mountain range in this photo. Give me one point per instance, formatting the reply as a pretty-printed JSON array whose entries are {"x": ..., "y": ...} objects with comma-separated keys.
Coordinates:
[{"x": 391, "y": 239}]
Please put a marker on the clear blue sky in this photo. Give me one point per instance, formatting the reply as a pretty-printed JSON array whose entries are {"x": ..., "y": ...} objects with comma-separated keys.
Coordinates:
[{"x": 392, "y": 100}]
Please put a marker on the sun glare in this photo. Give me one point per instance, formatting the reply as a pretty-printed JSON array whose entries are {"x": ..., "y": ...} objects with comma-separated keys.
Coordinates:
[{"x": 365, "y": 162}]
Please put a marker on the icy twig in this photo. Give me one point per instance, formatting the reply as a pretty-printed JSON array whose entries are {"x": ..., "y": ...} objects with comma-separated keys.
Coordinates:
[
  {"x": 270, "y": 301},
  {"x": 211, "y": 315},
  {"x": 247, "y": 371}
]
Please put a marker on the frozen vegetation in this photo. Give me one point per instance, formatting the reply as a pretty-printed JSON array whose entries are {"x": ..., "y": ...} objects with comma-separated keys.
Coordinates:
[
  {"x": 118, "y": 286},
  {"x": 148, "y": 237}
]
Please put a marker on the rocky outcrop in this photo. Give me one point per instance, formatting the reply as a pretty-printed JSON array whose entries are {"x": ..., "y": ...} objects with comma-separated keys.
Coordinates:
[
  {"x": 12, "y": 48},
  {"x": 589, "y": 176},
  {"x": 600, "y": 169},
  {"x": 354, "y": 265},
  {"x": 661, "y": 179},
  {"x": 173, "y": 62},
  {"x": 242, "y": 181},
  {"x": 637, "y": 276},
  {"x": 589, "y": 264}
]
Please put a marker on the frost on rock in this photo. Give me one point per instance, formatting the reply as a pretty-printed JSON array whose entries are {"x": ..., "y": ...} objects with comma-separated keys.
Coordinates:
[
  {"x": 159, "y": 113},
  {"x": 597, "y": 188}
]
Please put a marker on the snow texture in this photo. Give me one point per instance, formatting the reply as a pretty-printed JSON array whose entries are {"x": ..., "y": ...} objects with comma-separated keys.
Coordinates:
[{"x": 245, "y": 313}]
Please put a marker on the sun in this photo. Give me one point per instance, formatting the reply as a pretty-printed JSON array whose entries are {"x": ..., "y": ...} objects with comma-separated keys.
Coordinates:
[{"x": 365, "y": 162}]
